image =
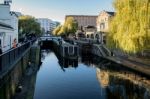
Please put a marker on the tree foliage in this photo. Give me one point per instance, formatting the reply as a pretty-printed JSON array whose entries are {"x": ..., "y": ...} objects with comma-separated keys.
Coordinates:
[
  {"x": 70, "y": 26},
  {"x": 130, "y": 28},
  {"x": 56, "y": 30},
  {"x": 29, "y": 25}
]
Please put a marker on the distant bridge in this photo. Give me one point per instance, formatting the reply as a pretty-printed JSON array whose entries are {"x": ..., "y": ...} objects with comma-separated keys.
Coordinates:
[
  {"x": 65, "y": 49},
  {"x": 49, "y": 38},
  {"x": 85, "y": 45}
]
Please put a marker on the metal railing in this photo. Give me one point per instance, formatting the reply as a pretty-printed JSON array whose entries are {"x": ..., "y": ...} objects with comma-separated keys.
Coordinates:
[
  {"x": 8, "y": 58},
  {"x": 106, "y": 50}
]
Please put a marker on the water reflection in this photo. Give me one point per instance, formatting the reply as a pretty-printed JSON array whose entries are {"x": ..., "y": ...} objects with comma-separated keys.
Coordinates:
[
  {"x": 88, "y": 77},
  {"x": 44, "y": 54},
  {"x": 115, "y": 82},
  {"x": 86, "y": 59},
  {"x": 123, "y": 84},
  {"x": 66, "y": 63},
  {"x": 9, "y": 90}
]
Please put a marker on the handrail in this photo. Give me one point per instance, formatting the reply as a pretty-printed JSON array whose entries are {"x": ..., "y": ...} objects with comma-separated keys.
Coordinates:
[
  {"x": 107, "y": 50},
  {"x": 103, "y": 50},
  {"x": 10, "y": 57},
  {"x": 17, "y": 47}
]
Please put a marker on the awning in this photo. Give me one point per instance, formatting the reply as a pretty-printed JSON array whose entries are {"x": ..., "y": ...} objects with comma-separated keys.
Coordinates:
[{"x": 5, "y": 25}]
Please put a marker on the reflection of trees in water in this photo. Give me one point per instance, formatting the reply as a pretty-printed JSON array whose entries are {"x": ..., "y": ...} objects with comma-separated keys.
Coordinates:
[
  {"x": 103, "y": 78},
  {"x": 123, "y": 84},
  {"x": 117, "y": 81}
]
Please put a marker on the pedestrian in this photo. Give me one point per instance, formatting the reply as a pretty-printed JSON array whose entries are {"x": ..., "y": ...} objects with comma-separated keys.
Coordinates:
[{"x": 14, "y": 43}]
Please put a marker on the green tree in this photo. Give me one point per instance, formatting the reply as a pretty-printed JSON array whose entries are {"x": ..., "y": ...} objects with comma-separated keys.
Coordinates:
[
  {"x": 29, "y": 25},
  {"x": 70, "y": 26},
  {"x": 130, "y": 28},
  {"x": 63, "y": 30},
  {"x": 56, "y": 30}
]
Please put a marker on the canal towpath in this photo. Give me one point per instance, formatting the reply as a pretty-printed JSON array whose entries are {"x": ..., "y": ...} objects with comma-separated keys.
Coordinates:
[{"x": 134, "y": 63}]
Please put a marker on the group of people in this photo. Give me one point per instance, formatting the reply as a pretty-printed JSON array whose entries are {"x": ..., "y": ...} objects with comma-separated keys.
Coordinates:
[{"x": 15, "y": 44}]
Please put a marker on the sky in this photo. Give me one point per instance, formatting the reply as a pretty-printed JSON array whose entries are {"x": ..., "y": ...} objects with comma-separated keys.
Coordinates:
[{"x": 57, "y": 9}]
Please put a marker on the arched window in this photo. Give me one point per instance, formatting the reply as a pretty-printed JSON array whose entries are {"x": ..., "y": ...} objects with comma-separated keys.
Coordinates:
[
  {"x": 88, "y": 36},
  {"x": 92, "y": 36},
  {"x": 97, "y": 36}
]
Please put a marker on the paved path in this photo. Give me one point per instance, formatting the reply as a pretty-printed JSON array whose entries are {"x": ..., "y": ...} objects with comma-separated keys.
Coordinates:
[{"x": 138, "y": 66}]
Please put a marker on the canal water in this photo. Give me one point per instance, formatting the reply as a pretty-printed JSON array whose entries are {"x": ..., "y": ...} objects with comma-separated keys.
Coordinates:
[{"x": 88, "y": 77}]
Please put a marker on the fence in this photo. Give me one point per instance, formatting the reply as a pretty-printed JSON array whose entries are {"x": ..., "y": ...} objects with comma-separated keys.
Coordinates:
[{"x": 10, "y": 57}]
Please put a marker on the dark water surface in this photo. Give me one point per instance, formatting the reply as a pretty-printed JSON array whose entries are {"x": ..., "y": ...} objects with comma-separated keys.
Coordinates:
[{"x": 87, "y": 77}]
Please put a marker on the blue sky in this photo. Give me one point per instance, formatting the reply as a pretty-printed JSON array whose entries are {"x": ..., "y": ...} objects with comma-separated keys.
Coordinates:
[{"x": 57, "y": 9}]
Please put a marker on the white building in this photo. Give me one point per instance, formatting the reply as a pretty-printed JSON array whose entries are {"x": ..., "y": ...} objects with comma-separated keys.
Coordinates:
[
  {"x": 103, "y": 21},
  {"x": 8, "y": 27},
  {"x": 47, "y": 24},
  {"x": 18, "y": 14}
]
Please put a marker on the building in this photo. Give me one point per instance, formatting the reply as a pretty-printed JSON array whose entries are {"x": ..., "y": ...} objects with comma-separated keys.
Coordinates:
[
  {"x": 56, "y": 23},
  {"x": 103, "y": 21},
  {"x": 90, "y": 31},
  {"x": 8, "y": 27},
  {"x": 47, "y": 25},
  {"x": 103, "y": 24},
  {"x": 84, "y": 20},
  {"x": 18, "y": 14}
]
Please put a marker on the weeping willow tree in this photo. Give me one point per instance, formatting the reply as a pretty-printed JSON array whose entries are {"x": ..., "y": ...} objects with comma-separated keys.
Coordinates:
[
  {"x": 69, "y": 27},
  {"x": 56, "y": 30},
  {"x": 130, "y": 28}
]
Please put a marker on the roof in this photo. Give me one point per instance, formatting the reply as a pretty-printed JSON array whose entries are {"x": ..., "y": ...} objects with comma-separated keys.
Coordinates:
[
  {"x": 5, "y": 25},
  {"x": 111, "y": 13},
  {"x": 81, "y": 16},
  {"x": 14, "y": 13}
]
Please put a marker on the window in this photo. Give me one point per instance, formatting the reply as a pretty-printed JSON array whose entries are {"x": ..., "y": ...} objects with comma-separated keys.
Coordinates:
[{"x": 102, "y": 26}]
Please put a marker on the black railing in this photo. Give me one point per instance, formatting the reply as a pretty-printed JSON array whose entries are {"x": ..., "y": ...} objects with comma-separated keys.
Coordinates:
[{"x": 8, "y": 58}]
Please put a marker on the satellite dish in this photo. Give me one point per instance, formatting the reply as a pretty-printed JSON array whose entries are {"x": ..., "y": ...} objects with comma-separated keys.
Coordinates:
[{"x": 7, "y": 2}]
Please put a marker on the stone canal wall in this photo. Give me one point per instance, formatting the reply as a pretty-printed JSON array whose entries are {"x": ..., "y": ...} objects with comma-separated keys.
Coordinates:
[{"x": 10, "y": 81}]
